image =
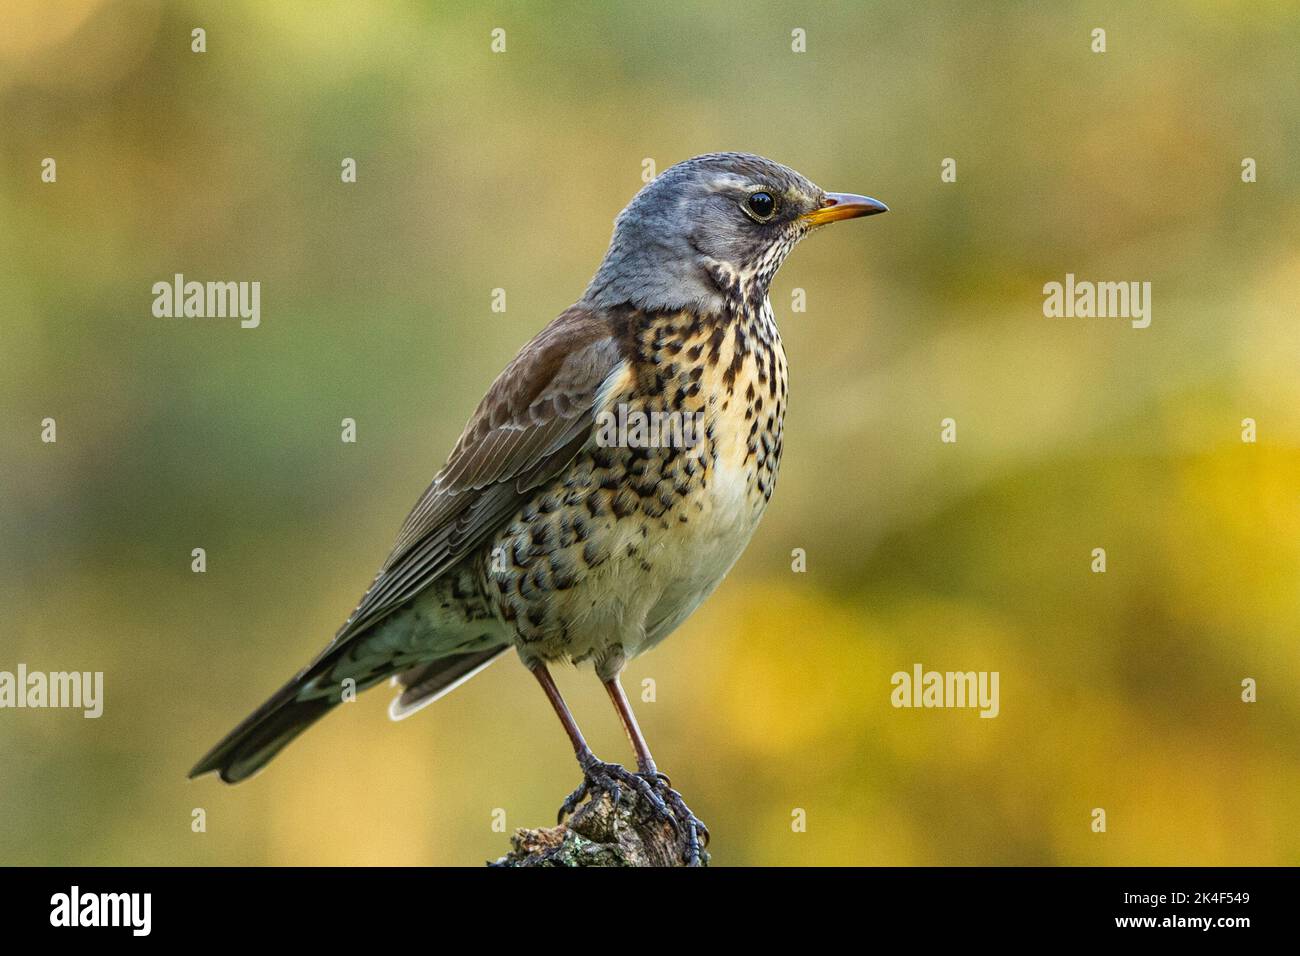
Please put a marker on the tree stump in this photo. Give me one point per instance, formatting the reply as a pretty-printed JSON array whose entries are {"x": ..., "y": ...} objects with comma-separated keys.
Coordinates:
[{"x": 599, "y": 833}]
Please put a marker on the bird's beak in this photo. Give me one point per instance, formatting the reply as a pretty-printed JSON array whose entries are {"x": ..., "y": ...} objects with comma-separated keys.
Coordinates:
[{"x": 837, "y": 206}]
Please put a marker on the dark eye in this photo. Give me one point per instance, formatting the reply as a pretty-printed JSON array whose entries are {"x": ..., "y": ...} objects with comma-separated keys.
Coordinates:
[{"x": 761, "y": 204}]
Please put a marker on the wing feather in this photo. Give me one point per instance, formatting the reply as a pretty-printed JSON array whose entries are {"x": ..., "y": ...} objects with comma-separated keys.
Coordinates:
[{"x": 535, "y": 418}]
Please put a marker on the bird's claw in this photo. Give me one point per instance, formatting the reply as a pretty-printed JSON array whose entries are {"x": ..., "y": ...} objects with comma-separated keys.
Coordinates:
[
  {"x": 690, "y": 826},
  {"x": 611, "y": 778},
  {"x": 571, "y": 802},
  {"x": 654, "y": 788}
]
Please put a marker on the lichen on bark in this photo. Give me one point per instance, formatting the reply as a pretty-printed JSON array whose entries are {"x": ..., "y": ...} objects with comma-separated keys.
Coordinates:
[{"x": 602, "y": 833}]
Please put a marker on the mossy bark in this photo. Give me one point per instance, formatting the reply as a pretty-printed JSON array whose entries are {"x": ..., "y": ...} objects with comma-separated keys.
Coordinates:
[{"x": 600, "y": 833}]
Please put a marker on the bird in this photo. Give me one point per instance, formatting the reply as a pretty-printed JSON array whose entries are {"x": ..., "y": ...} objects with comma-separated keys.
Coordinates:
[{"x": 564, "y": 523}]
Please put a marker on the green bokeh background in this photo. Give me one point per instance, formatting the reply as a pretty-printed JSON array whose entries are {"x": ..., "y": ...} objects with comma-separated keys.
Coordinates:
[{"x": 479, "y": 171}]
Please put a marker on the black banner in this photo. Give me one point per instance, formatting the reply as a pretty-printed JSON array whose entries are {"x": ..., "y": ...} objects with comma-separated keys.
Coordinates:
[{"x": 292, "y": 904}]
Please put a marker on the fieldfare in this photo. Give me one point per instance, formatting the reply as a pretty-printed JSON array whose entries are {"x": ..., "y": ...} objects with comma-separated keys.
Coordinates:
[{"x": 608, "y": 481}]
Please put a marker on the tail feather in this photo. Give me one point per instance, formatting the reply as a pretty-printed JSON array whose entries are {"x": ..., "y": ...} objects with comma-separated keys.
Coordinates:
[
  {"x": 264, "y": 733},
  {"x": 300, "y": 703},
  {"x": 426, "y": 683}
]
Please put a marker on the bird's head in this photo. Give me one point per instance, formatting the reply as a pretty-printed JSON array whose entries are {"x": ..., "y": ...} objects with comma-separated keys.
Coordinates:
[{"x": 711, "y": 228}]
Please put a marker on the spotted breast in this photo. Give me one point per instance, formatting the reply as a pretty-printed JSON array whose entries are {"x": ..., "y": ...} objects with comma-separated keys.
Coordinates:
[{"x": 616, "y": 552}]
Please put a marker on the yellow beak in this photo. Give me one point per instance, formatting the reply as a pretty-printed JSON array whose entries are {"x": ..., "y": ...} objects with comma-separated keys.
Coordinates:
[{"x": 839, "y": 206}]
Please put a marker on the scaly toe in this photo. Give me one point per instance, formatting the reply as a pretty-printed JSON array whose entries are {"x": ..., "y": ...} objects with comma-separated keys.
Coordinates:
[
  {"x": 690, "y": 826},
  {"x": 598, "y": 777},
  {"x": 571, "y": 802}
]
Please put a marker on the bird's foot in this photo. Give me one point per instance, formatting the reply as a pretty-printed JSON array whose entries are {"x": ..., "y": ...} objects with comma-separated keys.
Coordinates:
[
  {"x": 655, "y": 789},
  {"x": 611, "y": 778},
  {"x": 691, "y": 827}
]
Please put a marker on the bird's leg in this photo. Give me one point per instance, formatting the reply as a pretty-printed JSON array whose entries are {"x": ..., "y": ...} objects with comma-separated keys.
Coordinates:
[
  {"x": 596, "y": 774},
  {"x": 644, "y": 761},
  {"x": 688, "y": 823}
]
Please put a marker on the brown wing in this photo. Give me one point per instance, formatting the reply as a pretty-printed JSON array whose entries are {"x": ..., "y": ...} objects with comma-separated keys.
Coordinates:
[{"x": 536, "y": 416}]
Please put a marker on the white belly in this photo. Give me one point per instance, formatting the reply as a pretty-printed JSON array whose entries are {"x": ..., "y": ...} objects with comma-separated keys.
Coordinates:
[
  {"x": 660, "y": 569},
  {"x": 700, "y": 559}
]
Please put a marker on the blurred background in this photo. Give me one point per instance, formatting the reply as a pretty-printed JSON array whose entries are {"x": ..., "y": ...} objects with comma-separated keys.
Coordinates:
[{"x": 478, "y": 171}]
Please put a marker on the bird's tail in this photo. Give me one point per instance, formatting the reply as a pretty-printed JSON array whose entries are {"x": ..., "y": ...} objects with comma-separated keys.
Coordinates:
[
  {"x": 265, "y": 732},
  {"x": 422, "y": 685},
  {"x": 301, "y": 702}
]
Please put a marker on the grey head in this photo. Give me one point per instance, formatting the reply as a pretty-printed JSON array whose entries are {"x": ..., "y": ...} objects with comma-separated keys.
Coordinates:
[{"x": 711, "y": 231}]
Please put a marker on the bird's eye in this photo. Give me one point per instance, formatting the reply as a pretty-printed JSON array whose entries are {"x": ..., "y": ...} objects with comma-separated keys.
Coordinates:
[{"x": 761, "y": 205}]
